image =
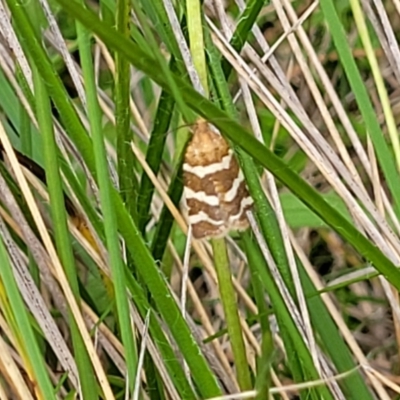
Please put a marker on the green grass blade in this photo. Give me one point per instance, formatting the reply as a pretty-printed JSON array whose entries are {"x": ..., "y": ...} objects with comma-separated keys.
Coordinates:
[
  {"x": 55, "y": 88},
  {"x": 166, "y": 220},
  {"x": 154, "y": 156},
  {"x": 229, "y": 303},
  {"x": 246, "y": 21},
  {"x": 109, "y": 216},
  {"x": 61, "y": 232},
  {"x": 161, "y": 65},
  {"x": 21, "y": 317},
  {"x": 59, "y": 218},
  {"x": 195, "y": 31},
  {"x": 158, "y": 14},
  {"x": 264, "y": 364},
  {"x": 128, "y": 184}
]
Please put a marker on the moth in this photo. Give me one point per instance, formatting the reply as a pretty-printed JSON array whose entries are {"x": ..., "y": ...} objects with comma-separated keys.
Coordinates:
[{"x": 215, "y": 190}]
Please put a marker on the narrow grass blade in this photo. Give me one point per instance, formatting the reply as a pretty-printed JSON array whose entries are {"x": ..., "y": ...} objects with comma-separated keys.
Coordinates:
[
  {"x": 360, "y": 91},
  {"x": 109, "y": 215},
  {"x": 128, "y": 184},
  {"x": 19, "y": 313},
  {"x": 304, "y": 369},
  {"x": 154, "y": 155}
]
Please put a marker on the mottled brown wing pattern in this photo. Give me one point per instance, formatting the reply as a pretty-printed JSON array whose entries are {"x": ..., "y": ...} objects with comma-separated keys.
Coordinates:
[{"x": 214, "y": 187}]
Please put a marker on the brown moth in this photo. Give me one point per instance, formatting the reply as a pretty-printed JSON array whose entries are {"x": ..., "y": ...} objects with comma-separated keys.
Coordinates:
[{"x": 214, "y": 187}]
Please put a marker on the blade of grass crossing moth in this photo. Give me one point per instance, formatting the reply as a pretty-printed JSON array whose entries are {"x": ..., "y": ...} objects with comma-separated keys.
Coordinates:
[
  {"x": 235, "y": 132},
  {"x": 28, "y": 341},
  {"x": 359, "y": 89},
  {"x": 109, "y": 216},
  {"x": 197, "y": 101},
  {"x": 205, "y": 108},
  {"x": 262, "y": 208}
]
